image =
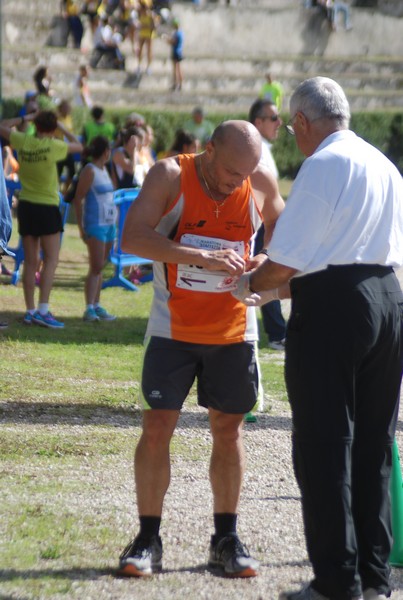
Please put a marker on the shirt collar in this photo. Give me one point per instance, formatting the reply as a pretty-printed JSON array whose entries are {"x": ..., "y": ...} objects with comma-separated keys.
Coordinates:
[{"x": 335, "y": 137}]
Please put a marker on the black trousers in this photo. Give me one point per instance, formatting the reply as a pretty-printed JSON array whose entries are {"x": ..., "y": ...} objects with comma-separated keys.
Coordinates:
[{"x": 344, "y": 361}]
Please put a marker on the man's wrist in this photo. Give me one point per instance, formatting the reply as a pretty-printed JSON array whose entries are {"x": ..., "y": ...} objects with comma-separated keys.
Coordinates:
[
  {"x": 264, "y": 251},
  {"x": 250, "y": 285}
]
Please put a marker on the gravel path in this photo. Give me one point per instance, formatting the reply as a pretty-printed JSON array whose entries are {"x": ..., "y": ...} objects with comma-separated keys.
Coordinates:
[{"x": 269, "y": 523}]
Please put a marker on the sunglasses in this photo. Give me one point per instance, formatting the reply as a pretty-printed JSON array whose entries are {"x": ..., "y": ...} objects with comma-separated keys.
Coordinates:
[{"x": 272, "y": 118}]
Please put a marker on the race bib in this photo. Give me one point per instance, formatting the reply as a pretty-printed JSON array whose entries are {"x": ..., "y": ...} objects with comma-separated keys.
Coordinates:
[
  {"x": 199, "y": 279},
  {"x": 108, "y": 214}
]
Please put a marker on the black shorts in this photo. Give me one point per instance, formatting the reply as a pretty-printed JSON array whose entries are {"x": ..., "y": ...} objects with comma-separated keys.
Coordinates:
[
  {"x": 69, "y": 163},
  {"x": 227, "y": 375},
  {"x": 38, "y": 219}
]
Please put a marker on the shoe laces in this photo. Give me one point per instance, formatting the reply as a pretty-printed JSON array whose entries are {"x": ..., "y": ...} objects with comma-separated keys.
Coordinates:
[
  {"x": 233, "y": 544},
  {"x": 140, "y": 546}
]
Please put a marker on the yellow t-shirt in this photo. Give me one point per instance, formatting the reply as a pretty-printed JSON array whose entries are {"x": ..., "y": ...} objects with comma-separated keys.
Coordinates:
[
  {"x": 67, "y": 121},
  {"x": 72, "y": 8},
  {"x": 38, "y": 171}
]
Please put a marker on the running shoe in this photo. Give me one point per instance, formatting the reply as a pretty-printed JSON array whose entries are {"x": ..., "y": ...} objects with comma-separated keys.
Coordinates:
[
  {"x": 371, "y": 594},
  {"x": 90, "y": 315},
  {"x": 103, "y": 314},
  {"x": 142, "y": 557},
  {"x": 27, "y": 318},
  {"x": 47, "y": 320},
  {"x": 250, "y": 418},
  {"x": 277, "y": 345},
  {"x": 229, "y": 554},
  {"x": 308, "y": 593},
  {"x": 4, "y": 270}
]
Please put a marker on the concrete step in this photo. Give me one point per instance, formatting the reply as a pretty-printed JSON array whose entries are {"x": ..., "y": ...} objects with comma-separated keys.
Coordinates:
[
  {"x": 160, "y": 78},
  {"x": 217, "y": 65},
  {"x": 156, "y": 95}
]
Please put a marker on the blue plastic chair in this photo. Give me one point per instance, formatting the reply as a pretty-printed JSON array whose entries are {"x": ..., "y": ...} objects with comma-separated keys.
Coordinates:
[
  {"x": 11, "y": 187},
  {"x": 123, "y": 199},
  {"x": 19, "y": 250}
]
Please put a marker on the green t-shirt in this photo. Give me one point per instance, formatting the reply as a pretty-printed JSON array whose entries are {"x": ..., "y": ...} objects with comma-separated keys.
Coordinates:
[
  {"x": 38, "y": 172},
  {"x": 203, "y": 131},
  {"x": 92, "y": 129},
  {"x": 273, "y": 91}
]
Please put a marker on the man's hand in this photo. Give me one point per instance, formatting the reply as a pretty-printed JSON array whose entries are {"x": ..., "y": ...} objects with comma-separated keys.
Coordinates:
[
  {"x": 224, "y": 260},
  {"x": 249, "y": 298},
  {"x": 255, "y": 261}
]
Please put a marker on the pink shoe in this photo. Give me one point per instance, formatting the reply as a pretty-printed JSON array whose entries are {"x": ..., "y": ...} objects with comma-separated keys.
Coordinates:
[{"x": 5, "y": 271}]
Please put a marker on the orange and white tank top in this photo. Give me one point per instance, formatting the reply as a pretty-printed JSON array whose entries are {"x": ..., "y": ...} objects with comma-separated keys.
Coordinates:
[{"x": 190, "y": 303}]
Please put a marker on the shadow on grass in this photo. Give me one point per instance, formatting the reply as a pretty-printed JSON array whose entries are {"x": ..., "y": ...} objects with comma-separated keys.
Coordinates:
[
  {"x": 75, "y": 573},
  {"x": 125, "y": 330},
  {"x": 18, "y": 413}
]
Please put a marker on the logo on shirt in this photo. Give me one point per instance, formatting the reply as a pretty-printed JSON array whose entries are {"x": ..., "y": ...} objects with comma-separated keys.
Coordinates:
[
  {"x": 195, "y": 225},
  {"x": 229, "y": 225}
]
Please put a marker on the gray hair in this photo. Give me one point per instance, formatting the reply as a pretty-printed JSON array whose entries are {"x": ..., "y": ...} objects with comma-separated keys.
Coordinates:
[{"x": 321, "y": 98}]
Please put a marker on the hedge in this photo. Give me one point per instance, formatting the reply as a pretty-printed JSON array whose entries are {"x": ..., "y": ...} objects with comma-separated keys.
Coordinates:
[{"x": 382, "y": 129}]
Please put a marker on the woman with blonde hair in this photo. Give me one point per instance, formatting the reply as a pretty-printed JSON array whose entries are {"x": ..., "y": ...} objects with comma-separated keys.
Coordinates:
[{"x": 146, "y": 34}]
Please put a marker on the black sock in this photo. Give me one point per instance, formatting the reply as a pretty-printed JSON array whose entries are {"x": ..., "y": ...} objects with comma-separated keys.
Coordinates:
[
  {"x": 149, "y": 526},
  {"x": 224, "y": 523}
]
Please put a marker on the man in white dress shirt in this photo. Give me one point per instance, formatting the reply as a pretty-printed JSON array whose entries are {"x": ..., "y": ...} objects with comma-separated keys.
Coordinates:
[{"x": 338, "y": 241}]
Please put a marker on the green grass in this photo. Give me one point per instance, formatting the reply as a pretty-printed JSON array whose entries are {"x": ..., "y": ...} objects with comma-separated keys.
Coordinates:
[
  {"x": 70, "y": 418},
  {"x": 86, "y": 363}
]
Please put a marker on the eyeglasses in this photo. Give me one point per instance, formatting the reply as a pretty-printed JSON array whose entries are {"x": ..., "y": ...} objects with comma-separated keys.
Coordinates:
[
  {"x": 290, "y": 126},
  {"x": 272, "y": 118}
]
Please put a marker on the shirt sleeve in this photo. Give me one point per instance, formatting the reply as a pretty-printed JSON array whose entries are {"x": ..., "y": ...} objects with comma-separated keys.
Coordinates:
[
  {"x": 59, "y": 149},
  {"x": 301, "y": 227},
  {"x": 17, "y": 139}
]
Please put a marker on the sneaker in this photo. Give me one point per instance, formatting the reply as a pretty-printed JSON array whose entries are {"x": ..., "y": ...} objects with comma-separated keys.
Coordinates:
[
  {"x": 27, "y": 318},
  {"x": 141, "y": 558},
  {"x": 250, "y": 418},
  {"x": 371, "y": 594},
  {"x": 47, "y": 320},
  {"x": 228, "y": 553},
  {"x": 4, "y": 270},
  {"x": 307, "y": 593},
  {"x": 277, "y": 345},
  {"x": 3, "y": 325},
  {"x": 103, "y": 314},
  {"x": 90, "y": 315}
]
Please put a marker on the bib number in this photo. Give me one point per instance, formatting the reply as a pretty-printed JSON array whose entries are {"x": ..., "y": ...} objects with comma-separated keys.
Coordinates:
[{"x": 199, "y": 279}]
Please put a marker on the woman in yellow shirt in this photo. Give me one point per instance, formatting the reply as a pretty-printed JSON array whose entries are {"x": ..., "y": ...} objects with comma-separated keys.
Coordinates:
[
  {"x": 147, "y": 26},
  {"x": 39, "y": 219}
]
